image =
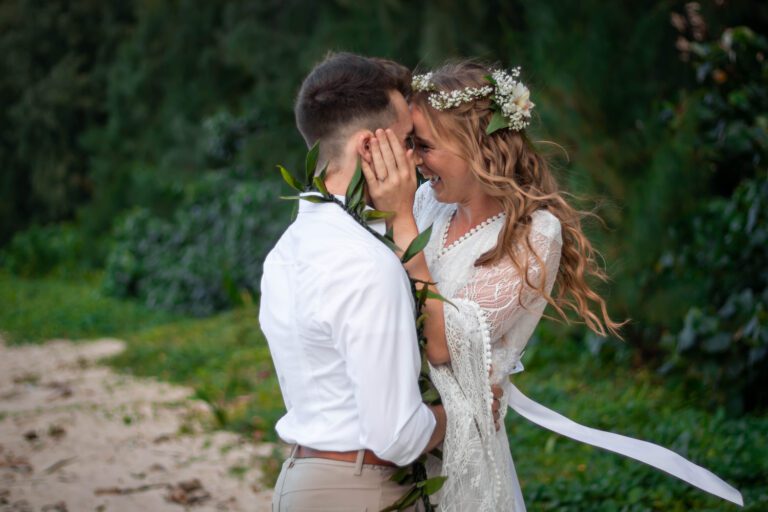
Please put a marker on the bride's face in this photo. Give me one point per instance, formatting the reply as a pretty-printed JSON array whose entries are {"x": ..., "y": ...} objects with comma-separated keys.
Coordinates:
[{"x": 440, "y": 162}]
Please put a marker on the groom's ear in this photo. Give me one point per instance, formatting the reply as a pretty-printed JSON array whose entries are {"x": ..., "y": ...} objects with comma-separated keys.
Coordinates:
[{"x": 363, "y": 145}]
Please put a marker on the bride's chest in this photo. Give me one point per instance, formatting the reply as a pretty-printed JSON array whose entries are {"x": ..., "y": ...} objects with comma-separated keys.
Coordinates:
[{"x": 453, "y": 265}]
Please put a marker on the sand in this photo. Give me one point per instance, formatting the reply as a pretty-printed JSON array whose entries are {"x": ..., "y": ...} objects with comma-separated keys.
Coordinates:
[{"x": 77, "y": 436}]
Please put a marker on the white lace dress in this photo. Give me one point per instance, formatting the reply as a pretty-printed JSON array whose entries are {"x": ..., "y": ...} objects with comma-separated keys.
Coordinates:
[
  {"x": 494, "y": 318},
  {"x": 487, "y": 328}
]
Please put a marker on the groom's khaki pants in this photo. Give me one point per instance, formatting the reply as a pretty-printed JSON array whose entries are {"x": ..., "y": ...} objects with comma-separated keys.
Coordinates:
[{"x": 323, "y": 485}]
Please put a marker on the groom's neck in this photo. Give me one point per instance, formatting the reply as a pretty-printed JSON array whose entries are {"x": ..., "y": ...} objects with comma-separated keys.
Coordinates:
[{"x": 339, "y": 175}]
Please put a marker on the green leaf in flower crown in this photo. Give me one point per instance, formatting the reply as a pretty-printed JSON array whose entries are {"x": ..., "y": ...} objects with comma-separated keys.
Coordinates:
[
  {"x": 369, "y": 215},
  {"x": 498, "y": 122},
  {"x": 310, "y": 163},
  {"x": 432, "y": 485},
  {"x": 418, "y": 245},
  {"x": 290, "y": 179},
  {"x": 390, "y": 234}
]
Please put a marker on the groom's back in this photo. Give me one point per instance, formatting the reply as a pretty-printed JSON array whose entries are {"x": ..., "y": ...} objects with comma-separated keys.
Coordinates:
[{"x": 321, "y": 282}]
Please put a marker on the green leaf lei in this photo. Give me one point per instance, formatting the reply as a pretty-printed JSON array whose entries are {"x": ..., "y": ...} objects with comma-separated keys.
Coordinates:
[{"x": 354, "y": 204}]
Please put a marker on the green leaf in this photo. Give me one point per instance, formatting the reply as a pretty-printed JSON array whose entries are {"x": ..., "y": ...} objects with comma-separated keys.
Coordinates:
[
  {"x": 370, "y": 215},
  {"x": 310, "y": 163},
  {"x": 411, "y": 498},
  {"x": 437, "y": 296},
  {"x": 314, "y": 199},
  {"x": 401, "y": 475},
  {"x": 389, "y": 243},
  {"x": 405, "y": 501},
  {"x": 390, "y": 234},
  {"x": 430, "y": 396},
  {"x": 320, "y": 185},
  {"x": 355, "y": 203},
  {"x": 418, "y": 245},
  {"x": 432, "y": 485},
  {"x": 421, "y": 297},
  {"x": 355, "y": 182},
  {"x": 290, "y": 179},
  {"x": 498, "y": 122}
]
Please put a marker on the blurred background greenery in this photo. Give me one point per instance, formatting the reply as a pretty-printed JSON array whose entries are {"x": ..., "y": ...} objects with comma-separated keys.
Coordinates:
[{"x": 138, "y": 143}]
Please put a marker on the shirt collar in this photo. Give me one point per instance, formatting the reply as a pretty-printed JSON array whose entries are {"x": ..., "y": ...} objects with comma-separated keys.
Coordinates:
[{"x": 378, "y": 225}]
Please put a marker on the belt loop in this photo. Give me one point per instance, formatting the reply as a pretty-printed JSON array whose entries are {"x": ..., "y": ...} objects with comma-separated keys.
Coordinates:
[
  {"x": 292, "y": 457},
  {"x": 359, "y": 462}
]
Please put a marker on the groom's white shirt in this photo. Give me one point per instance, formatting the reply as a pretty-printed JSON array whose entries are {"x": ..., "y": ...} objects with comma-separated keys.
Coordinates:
[{"x": 337, "y": 312}]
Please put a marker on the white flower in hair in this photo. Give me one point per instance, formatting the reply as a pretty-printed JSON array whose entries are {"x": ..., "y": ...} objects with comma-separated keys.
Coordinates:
[
  {"x": 422, "y": 82},
  {"x": 510, "y": 98}
]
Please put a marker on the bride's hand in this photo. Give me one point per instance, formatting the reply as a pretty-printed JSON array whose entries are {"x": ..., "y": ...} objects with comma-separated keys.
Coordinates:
[
  {"x": 391, "y": 175},
  {"x": 496, "y": 405}
]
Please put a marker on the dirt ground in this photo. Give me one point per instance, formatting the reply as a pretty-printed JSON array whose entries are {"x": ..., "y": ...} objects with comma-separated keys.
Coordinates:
[{"x": 77, "y": 436}]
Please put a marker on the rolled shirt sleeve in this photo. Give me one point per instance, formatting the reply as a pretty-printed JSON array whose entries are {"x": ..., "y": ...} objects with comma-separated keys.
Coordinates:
[{"x": 372, "y": 320}]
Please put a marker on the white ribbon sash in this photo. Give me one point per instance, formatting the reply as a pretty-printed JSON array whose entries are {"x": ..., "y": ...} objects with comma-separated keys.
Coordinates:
[{"x": 643, "y": 451}]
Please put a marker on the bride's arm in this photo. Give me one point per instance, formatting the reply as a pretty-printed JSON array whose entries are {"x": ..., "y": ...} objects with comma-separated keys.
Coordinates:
[{"x": 392, "y": 185}]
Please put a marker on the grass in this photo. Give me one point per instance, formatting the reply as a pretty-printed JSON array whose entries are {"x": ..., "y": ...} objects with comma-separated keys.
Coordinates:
[
  {"x": 226, "y": 360},
  {"x": 34, "y": 310}
]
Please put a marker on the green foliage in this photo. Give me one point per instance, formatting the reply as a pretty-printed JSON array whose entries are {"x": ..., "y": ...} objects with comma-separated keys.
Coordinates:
[
  {"x": 723, "y": 345},
  {"x": 699, "y": 281},
  {"x": 202, "y": 258},
  {"x": 35, "y": 310},
  {"x": 60, "y": 249},
  {"x": 54, "y": 58}
]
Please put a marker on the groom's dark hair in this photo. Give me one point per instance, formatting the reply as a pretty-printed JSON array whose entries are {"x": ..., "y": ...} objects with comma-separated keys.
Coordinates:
[{"x": 348, "y": 91}]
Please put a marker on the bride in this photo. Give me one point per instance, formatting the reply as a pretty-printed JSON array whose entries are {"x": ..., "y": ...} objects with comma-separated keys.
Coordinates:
[{"x": 503, "y": 239}]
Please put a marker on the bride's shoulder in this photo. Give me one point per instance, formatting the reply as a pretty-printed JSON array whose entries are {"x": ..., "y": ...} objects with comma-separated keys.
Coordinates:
[{"x": 546, "y": 224}]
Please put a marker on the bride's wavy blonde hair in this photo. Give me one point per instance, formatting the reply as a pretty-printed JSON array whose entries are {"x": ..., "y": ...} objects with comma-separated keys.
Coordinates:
[{"x": 510, "y": 170}]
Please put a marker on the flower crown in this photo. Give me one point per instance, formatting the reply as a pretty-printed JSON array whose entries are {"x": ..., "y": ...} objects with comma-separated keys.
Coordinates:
[{"x": 510, "y": 98}]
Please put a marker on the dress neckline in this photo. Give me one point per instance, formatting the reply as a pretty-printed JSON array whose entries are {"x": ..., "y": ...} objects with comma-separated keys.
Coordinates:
[{"x": 478, "y": 227}]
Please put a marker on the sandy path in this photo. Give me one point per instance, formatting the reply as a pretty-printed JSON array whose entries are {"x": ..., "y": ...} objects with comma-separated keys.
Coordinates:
[{"x": 76, "y": 436}]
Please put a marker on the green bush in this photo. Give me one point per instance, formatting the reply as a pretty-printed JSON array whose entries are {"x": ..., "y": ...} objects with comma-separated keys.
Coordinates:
[
  {"x": 692, "y": 243},
  {"x": 201, "y": 259},
  {"x": 723, "y": 345},
  {"x": 55, "y": 249}
]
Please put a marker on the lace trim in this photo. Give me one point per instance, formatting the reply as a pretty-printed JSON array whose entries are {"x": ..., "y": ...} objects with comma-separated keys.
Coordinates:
[{"x": 485, "y": 333}]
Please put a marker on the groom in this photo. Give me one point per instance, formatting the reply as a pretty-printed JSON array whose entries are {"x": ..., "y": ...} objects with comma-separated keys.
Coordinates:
[{"x": 337, "y": 312}]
